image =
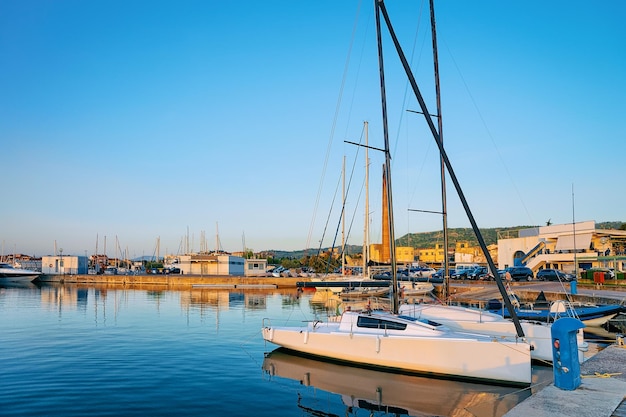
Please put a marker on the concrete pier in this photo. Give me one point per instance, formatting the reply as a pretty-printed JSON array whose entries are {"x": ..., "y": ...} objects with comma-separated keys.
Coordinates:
[
  {"x": 601, "y": 393},
  {"x": 175, "y": 281}
]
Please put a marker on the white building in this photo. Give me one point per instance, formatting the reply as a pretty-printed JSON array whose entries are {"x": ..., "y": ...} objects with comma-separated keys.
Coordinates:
[
  {"x": 256, "y": 267},
  {"x": 211, "y": 264},
  {"x": 65, "y": 264},
  {"x": 563, "y": 246}
]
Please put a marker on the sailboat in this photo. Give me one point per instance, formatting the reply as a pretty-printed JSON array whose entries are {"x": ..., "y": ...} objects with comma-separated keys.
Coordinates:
[
  {"x": 472, "y": 320},
  {"x": 355, "y": 285},
  {"x": 391, "y": 341},
  {"x": 592, "y": 315},
  {"x": 362, "y": 285}
]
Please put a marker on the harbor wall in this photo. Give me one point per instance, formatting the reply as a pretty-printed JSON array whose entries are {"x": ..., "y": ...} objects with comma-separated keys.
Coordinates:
[{"x": 176, "y": 281}]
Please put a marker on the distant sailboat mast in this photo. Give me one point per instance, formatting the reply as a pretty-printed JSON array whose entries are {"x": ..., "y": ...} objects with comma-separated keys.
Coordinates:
[
  {"x": 217, "y": 239},
  {"x": 574, "y": 232},
  {"x": 366, "y": 232},
  {"x": 343, "y": 217}
]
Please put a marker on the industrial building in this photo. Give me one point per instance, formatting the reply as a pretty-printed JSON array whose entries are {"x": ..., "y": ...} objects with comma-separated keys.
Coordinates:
[{"x": 569, "y": 247}]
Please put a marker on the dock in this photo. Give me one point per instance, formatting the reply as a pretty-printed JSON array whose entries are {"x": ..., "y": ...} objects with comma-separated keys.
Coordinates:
[
  {"x": 343, "y": 284},
  {"x": 176, "y": 281},
  {"x": 601, "y": 393}
]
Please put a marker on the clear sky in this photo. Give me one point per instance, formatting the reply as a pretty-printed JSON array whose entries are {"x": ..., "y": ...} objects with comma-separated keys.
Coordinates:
[{"x": 168, "y": 120}]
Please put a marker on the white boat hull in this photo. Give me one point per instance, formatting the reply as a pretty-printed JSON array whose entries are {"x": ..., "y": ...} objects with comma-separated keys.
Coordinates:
[
  {"x": 17, "y": 278},
  {"x": 416, "y": 289},
  {"x": 364, "y": 292},
  {"x": 10, "y": 274},
  {"x": 420, "y": 349},
  {"x": 538, "y": 334},
  {"x": 599, "y": 321}
]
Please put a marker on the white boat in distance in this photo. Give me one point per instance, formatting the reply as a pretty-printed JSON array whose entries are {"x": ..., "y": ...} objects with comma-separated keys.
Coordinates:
[{"x": 12, "y": 274}]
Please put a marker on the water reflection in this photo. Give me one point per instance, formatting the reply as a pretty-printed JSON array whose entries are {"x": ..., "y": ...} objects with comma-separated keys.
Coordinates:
[
  {"x": 109, "y": 299},
  {"x": 6, "y": 284},
  {"x": 77, "y": 297},
  {"x": 324, "y": 301},
  {"x": 383, "y": 392}
]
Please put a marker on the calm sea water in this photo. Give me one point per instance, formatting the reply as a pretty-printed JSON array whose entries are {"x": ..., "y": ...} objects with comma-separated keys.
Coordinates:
[{"x": 73, "y": 351}]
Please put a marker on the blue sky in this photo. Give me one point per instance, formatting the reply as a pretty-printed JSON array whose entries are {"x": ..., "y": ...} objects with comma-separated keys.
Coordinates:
[{"x": 170, "y": 121}]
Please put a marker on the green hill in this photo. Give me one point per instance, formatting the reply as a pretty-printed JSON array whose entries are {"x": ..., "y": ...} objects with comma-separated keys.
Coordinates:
[{"x": 426, "y": 240}]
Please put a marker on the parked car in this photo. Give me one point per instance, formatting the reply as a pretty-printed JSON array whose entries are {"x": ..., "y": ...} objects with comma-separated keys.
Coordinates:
[
  {"x": 488, "y": 276},
  {"x": 278, "y": 271},
  {"x": 438, "y": 274},
  {"x": 420, "y": 271},
  {"x": 476, "y": 273},
  {"x": 520, "y": 273},
  {"x": 554, "y": 275},
  {"x": 458, "y": 273}
]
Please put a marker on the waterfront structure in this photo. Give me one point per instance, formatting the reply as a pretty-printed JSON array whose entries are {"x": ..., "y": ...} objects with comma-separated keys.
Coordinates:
[
  {"x": 64, "y": 264},
  {"x": 214, "y": 263},
  {"x": 569, "y": 247},
  {"x": 255, "y": 267}
]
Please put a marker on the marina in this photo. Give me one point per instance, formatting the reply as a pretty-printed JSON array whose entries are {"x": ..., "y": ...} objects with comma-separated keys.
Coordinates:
[
  {"x": 495, "y": 322},
  {"x": 110, "y": 349}
]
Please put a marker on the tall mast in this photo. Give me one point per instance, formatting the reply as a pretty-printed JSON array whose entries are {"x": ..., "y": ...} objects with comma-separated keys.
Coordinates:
[
  {"x": 96, "y": 263},
  {"x": 387, "y": 167},
  {"x": 444, "y": 209},
  {"x": 574, "y": 233},
  {"x": 217, "y": 238},
  {"x": 380, "y": 8},
  {"x": 343, "y": 217},
  {"x": 366, "y": 232}
]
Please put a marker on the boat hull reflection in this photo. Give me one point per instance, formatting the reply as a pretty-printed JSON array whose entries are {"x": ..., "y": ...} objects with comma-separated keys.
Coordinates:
[{"x": 399, "y": 394}]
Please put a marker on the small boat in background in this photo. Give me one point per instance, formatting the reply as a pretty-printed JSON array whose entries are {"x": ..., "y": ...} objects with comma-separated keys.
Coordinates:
[
  {"x": 416, "y": 289},
  {"x": 545, "y": 311},
  {"x": 12, "y": 274},
  {"x": 470, "y": 320},
  {"x": 364, "y": 292}
]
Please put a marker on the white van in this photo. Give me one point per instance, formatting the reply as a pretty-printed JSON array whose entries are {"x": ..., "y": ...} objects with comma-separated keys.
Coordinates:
[{"x": 461, "y": 267}]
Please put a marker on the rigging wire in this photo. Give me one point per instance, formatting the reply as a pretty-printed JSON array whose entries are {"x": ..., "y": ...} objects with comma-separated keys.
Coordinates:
[
  {"x": 482, "y": 119},
  {"x": 332, "y": 132},
  {"x": 343, "y": 204},
  {"x": 319, "y": 249},
  {"x": 404, "y": 107}
]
